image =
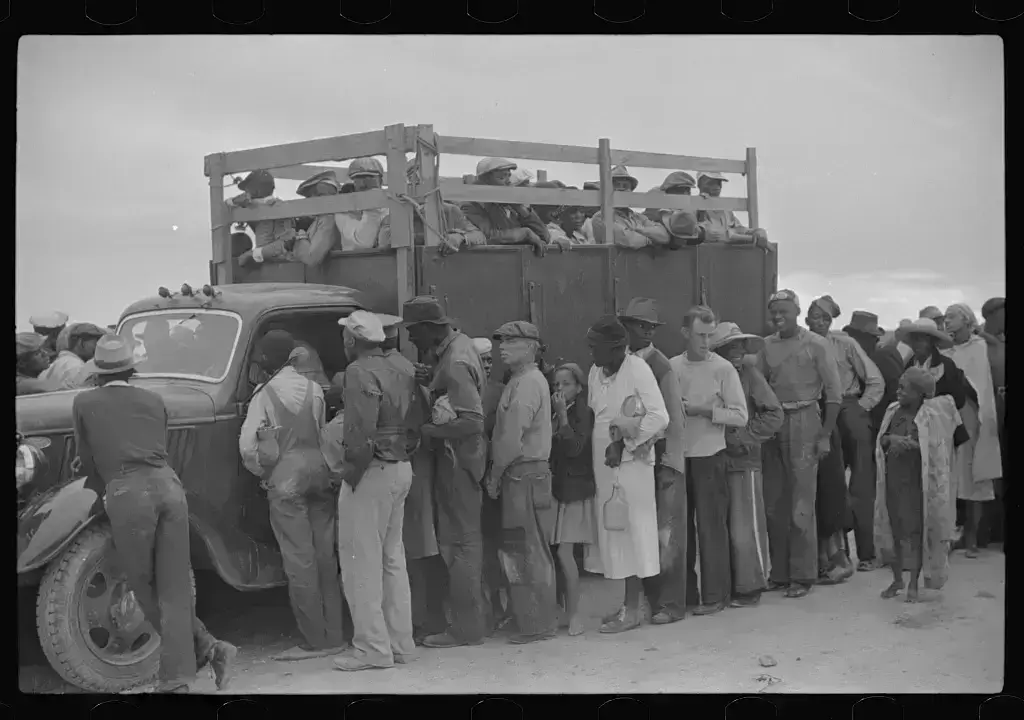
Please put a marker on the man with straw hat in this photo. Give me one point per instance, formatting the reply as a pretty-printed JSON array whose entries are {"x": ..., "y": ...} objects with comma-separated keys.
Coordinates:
[
  {"x": 630, "y": 228},
  {"x": 68, "y": 369},
  {"x": 748, "y": 532},
  {"x": 667, "y": 591},
  {"x": 459, "y": 473},
  {"x": 31, "y": 362},
  {"x": 505, "y": 223},
  {"x": 800, "y": 368},
  {"x": 121, "y": 436}
]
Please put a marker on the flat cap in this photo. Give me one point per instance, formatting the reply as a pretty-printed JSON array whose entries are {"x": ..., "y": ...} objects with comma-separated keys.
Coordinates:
[
  {"x": 86, "y": 330},
  {"x": 329, "y": 177},
  {"x": 365, "y": 166},
  {"x": 678, "y": 179},
  {"x": 608, "y": 329},
  {"x": 517, "y": 329},
  {"x": 711, "y": 176},
  {"x": 28, "y": 343},
  {"x": 493, "y": 163},
  {"x": 49, "y": 321},
  {"x": 364, "y": 326}
]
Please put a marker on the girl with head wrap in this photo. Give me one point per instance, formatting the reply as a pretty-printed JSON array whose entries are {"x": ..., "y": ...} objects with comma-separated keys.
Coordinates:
[
  {"x": 978, "y": 461},
  {"x": 913, "y": 519}
]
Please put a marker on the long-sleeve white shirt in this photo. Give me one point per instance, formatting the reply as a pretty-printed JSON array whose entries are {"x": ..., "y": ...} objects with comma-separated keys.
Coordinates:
[
  {"x": 290, "y": 388},
  {"x": 712, "y": 380}
]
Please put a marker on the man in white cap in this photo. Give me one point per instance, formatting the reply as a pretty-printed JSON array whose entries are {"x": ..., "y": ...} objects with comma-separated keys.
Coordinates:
[
  {"x": 377, "y": 476},
  {"x": 722, "y": 225},
  {"x": 121, "y": 437},
  {"x": 50, "y": 327},
  {"x": 631, "y": 229},
  {"x": 360, "y": 229},
  {"x": 505, "y": 223}
]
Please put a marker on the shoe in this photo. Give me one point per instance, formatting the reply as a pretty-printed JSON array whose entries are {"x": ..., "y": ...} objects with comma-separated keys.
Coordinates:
[
  {"x": 867, "y": 565},
  {"x": 742, "y": 601},
  {"x": 710, "y": 609},
  {"x": 303, "y": 652},
  {"x": 613, "y": 616},
  {"x": 625, "y": 620},
  {"x": 446, "y": 640},
  {"x": 796, "y": 590},
  {"x": 222, "y": 661},
  {"x": 774, "y": 585},
  {"x": 172, "y": 689},
  {"x": 664, "y": 617},
  {"x": 351, "y": 664},
  {"x": 523, "y": 639},
  {"x": 405, "y": 658}
]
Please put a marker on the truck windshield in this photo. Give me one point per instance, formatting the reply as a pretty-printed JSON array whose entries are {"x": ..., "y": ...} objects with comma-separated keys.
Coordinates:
[{"x": 194, "y": 343}]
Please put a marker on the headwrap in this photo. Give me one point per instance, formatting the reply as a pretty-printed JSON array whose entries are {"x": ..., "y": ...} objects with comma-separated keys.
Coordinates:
[
  {"x": 827, "y": 305},
  {"x": 922, "y": 380},
  {"x": 608, "y": 331},
  {"x": 964, "y": 311},
  {"x": 577, "y": 373}
]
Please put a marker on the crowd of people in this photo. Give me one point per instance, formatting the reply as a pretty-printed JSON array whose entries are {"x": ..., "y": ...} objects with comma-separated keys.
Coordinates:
[{"x": 309, "y": 240}]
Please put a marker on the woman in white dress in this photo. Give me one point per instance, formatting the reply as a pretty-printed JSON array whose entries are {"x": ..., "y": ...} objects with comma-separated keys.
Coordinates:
[{"x": 618, "y": 379}]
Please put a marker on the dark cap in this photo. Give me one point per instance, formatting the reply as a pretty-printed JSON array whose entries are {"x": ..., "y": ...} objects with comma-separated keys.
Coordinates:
[
  {"x": 608, "y": 329},
  {"x": 257, "y": 179},
  {"x": 424, "y": 309},
  {"x": 86, "y": 330},
  {"x": 827, "y": 305}
]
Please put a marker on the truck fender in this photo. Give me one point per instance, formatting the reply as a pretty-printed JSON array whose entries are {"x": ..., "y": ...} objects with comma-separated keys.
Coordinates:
[{"x": 52, "y": 519}]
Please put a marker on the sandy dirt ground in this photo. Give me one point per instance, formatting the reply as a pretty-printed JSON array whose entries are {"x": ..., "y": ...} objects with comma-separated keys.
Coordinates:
[{"x": 843, "y": 639}]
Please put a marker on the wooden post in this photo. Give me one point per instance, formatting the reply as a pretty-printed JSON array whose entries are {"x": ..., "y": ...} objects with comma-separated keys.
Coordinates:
[
  {"x": 400, "y": 217},
  {"x": 752, "y": 210},
  {"x": 604, "y": 159},
  {"x": 432, "y": 209},
  {"x": 542, "y": 176},
  {"x": 220, "y": 221}
]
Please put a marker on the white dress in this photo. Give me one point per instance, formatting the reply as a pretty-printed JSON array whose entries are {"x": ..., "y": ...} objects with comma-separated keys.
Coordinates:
[{"x": 622, "y": 554}]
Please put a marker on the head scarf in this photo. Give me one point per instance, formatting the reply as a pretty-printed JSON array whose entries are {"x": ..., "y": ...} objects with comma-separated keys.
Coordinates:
[
  {"x": 964, "y": 311},
  {"x": 921, "y": 380},
  {"x": 829, "y": 306},
  {"x": 608, "y": 331}
]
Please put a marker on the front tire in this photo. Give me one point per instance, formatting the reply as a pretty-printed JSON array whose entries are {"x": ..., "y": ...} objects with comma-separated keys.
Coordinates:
[{"x": 90, "y": 626}]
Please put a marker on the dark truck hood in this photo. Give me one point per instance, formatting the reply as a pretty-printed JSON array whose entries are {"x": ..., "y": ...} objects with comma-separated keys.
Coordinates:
[{"x": 50, "y": 413}]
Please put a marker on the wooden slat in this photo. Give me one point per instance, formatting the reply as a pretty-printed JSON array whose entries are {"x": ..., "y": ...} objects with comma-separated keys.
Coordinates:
[
  {"x": 342, "y": 147},
  {"x": 607, "y": 192},
  {"x": 457, "y": 191},
  {"x": 676, "y": 162},
  {"x": 483, "y": 147},
  {"x": 752, "y": 207},
  {"x": 305, "y": 172},
  {"x": 220, "y": 217},
  {"x": 366, "y": 200}
]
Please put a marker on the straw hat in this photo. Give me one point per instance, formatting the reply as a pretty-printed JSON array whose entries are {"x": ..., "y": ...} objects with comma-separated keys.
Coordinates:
[
  {"x": 113, "y": 355},
  {"x": 923, "y": 326},
  {"x": 728, "y": 332}
]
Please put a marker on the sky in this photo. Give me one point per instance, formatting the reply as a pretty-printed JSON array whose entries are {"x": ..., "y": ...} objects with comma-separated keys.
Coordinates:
[{"x": 870, "y": 148}]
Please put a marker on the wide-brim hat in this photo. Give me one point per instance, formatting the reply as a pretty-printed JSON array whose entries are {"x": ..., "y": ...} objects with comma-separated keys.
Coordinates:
[
  {"x": 488, "y": 165},
  {"x": 865, "y": 322},
  {"x": 728, "y": 332},
  {"x": 923, "y": 326},
  {"x": 424, "y": 309},
  {"x": 113, "y": 355},
  {"x": 329, "y": 178},
  {"x": 620, "y": 171},
  {"x": 641, "y": 308}
]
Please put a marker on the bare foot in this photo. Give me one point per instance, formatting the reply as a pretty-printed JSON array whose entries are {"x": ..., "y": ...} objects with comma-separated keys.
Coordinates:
[
  {"x": 893, "y": 590},
  {"x": 911, "y": 595},
  {"x": 575, "y": 625}
]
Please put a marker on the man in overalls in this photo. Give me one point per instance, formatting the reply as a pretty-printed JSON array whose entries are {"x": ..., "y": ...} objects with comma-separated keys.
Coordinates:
[
  {"x": 302, "y": 504},
  {"x": 121, "y": 436}
]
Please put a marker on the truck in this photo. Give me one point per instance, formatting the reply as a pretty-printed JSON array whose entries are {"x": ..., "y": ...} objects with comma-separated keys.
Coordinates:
[{"x": 88, "y": 622}]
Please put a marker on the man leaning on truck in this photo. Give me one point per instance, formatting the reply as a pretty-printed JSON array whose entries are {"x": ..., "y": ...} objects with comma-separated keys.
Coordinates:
[
  {"x": 630, "y": 228},
  {"x": 460, "y": 464},
  {"x": 505, "y": 223}
]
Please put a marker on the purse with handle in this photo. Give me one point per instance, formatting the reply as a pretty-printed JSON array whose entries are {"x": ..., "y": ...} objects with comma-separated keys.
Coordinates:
[{"x": 616, "y": 510}]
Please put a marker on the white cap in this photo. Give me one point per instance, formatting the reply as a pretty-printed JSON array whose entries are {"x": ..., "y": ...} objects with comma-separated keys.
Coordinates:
[
  {"x": 364, "y": 326},
  {"x": 712, "y": 176},
  {"x": 49, "y": 321},
  {"x": 482, "y": 345}
]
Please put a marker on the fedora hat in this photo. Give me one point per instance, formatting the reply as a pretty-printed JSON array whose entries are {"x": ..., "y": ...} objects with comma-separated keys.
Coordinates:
[
  {"x": 923, "y": 326},
  {"x": 621, "y": 171},
  {"x": 641, "y": 308},
  {"x": 865, "y": 322},
  {"x": 113, "y": 355},
  {"x": 424, "y": 309},
  {"x": 728, "y": 332}
]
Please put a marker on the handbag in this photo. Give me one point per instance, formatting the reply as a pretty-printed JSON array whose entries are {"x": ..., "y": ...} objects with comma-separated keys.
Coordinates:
[{"x": 616, "y": 510}]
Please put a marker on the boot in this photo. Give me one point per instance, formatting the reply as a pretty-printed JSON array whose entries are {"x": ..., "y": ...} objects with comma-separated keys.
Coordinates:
[{"x": 627, "y": 619}]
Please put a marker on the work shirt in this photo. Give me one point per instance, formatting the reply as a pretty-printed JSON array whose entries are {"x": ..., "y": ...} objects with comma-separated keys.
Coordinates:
[
  {"x": 670, "y": 448},
  {"x": 588, "y": 232},
  {"x": 522, "y": 428},
  {"x": 855, "y": 367},
  {"x": 379, "y": 398},
  {"x": 455, "y": 223},
  {"x": 264, "y": 231},
  {"x": 577, "y": 237},
  {"x": 460, "y": 376},
  {"x": 119, "y": 429},
  {"x": 800, "y": 369},
  {"x": 290, "y": 388},
  {"x": 66, "y": 372},
  {"x": 360, "y": 229},
  {"x": 718, "y": 223},
  {"x": 494, "y": 219},
  {"x": 321, "y": 237},
  {"x": 712, "y": 380},
  {"x": 628, "y": 222},
  {"x": 764, "y": 418}
]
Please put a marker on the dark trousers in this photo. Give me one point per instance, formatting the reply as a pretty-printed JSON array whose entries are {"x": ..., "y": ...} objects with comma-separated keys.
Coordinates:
[
  {"x": 666, "y": 592},
  {"x": 494, "y": 577},
  {"x": 857, "y": 435},
  {"x": 149, "y": 519},
  {"x": 708, "y": 496},
  {"x": 306, "y": 532},
  {"x": 527, "y": 518},
  {"x": 459, "y": 537},
  {"x": 790, "y": 491},
  {"x": 428, "y": 584}
]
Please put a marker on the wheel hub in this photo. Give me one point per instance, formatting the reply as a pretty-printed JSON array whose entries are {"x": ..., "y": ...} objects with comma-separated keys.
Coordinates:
[
  {"x": 125, "y": 613},
  {"x": 112, "y": 622}
]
